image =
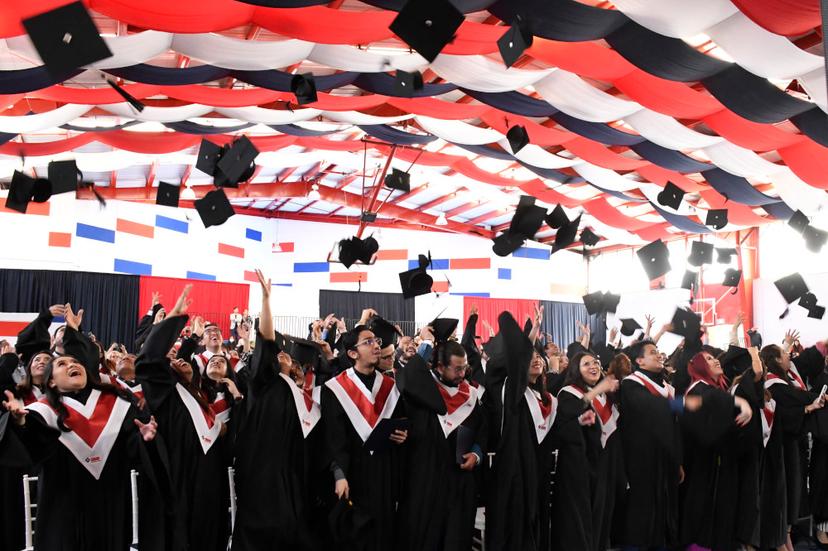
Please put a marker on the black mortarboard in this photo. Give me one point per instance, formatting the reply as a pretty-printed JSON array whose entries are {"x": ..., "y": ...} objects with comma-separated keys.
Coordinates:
[
  {"x": 723, "y": 255},
  {"x": 354, "y": 248},
  {"x": 42, "y": 190},
  {"x": 589, "y": 238},
  {"x": 384, "y": 330},
  {"x": 304, "y": 88},
  {"x": 443, "y": 328},
  {"x": 791, "y": 287},
  {"x": 305, "y": 352},
  {"x": 528, "y": 217},
  {"x": 405, "y": 83},
  {"x": 208, "y": 157},
  {"x": 556, "y": 218},
  {"x": 735, "y": 361},
  {"x": 594, "y": 302},
  {"x": 716, "y": 218},
  {"x": 611, "y": 302},
  {"x": 516, "y": 40},
  {"x": 655, "y": 258},
  {"x": 798, "y": 221},
  {"x": 754, "y": 338},
  {"x": 427, "y": 25},
  {"x": 236, "y": 162},
  {"x": 348, "y": 523},
  {"x": 815, "y": 238},
  {"x": 565, "y": 236},
  {"x": 808, "y": 300},
  {"x": 506, "y": 243},
  {"x": 214, "y": 208},
  {"x": 817, "y": 312},
  {"x": 629, "y": 326},
  {"x": 700, "y": 253},
  {"x": 671, "y": 196},
  {"x": 398, "y": 180},
  {"x": 690, "y": 280},
  {"x": 518, "y": 138},
  {"x": 732, "y": 277},
  {"x": 66, "y": 38},
  {"x": 20, "y": 192},
  {"x": 416, "y": 282},
  {"x": 686, "y": 323},
  {"x": 167, "y": 194},
  {"x": 282, "y": 343},
  {"x": 64, "y": 176}
]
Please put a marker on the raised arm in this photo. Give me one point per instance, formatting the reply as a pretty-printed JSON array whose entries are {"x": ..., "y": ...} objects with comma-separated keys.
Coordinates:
[{"x": 536, "y": 324}]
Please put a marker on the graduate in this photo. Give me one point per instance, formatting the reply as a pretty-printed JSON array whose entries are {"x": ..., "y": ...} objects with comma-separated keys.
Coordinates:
[
  {"x": 275, "y": 462},
  {"x": 86, "y": 435},
  {"x": 446, "y": 443},
  {"x": 198, "y": 517},
  {"x": 353, "y": 403}
]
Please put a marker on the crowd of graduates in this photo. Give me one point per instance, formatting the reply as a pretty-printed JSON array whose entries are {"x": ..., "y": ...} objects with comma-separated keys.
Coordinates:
[{"x": 367, "y": 439}]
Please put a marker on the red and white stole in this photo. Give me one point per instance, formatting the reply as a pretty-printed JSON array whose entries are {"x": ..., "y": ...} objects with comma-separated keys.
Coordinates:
[
  {"x": 93, "y": 426},
  {"x": 543, "y": 417},
  {"x": 773, "y": 379},
  {"x": 607, "y": 413},
  {"x": 459, "y": 400},
  {"x": 208, "y": 423},
  {"x": 695, "y": 383},
  {"x": 797, "y": 378},
  {"x": 33, "y": 396},
  {"x": 364, "y": 408},
  {"x": 665, "y": 391},
  {"x": 307, "y": 402},
  {"x": 135, "y": 389}
]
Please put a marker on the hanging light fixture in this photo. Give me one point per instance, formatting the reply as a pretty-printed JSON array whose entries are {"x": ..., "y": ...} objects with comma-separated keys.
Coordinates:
[
  {"x": 441, "y": 220},
  {"x": 314, "y": 193}
]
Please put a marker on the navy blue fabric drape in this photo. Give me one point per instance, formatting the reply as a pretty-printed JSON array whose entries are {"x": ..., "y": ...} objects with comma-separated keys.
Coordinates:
[
  {"x": 348, "y": 305},
  {"x": 559, "y": 320}
]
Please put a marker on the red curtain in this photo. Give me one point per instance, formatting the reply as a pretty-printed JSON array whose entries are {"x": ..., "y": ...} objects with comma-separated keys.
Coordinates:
[
  {"x": 211, "y": 299},
  {"x": 490, "y": 308}
]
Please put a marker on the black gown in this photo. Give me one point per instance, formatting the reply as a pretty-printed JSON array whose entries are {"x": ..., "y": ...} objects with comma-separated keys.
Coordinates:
[
  {"x": 12, "y": 528},
  {"x": 648, "y": 423},
  {"x": 439, "y": 503},
  {"x": 373, "y": 479},
  {"x": 199, "y": 517},
  {"x": 275, "y": 464}
]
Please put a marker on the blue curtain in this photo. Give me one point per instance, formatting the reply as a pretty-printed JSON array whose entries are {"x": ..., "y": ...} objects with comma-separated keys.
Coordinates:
[{"x": 559, "y": 320}]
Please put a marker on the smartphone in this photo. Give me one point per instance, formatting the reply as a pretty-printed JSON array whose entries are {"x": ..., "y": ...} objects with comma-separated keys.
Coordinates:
[{"x": 822, "y": 392}]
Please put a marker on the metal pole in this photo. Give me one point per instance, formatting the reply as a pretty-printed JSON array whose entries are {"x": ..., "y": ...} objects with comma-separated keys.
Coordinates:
[
  {"x": 231, "y": 479},
  {"x": 133, "y": 480},
  {"x": 27, "y": 511},
  {"x": 377, "y": 189}
]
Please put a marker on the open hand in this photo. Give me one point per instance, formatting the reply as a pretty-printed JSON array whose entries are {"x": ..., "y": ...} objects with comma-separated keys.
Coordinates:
[
  {"x": 73, "y": 320},
  {"x": 147, "y": 430},
  {"x": 183, "y": 303},
  {"x": 15, "y": 408}
]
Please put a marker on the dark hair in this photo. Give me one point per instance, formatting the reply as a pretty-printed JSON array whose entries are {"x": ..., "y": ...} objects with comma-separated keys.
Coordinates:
[
  {"x": 211, "y": 388},
  {"x": 445, "y": 350},
  {"x": 25, "y": 386},
  {"x": 53, "y": 396},
  {"x": 619, "y": 366},
  {"x": 636, "y": 350},
  {"x": 771, "y": 356},
  {"x": 573, "y": 371},
  {"x": 351, "y": 338}
]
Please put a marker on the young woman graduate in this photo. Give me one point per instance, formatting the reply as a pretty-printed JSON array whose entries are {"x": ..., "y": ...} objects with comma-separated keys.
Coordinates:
[
  {"x": 199, "y": 505},
  {"x": 708, "y": 437},
  {"x": 275, "y": 460},
  {"x": 780, "y": 503},
  {"x": 819, "y": 459},
  {"x": 446, "y": 443},
  {"x": 521, "y": 415},
  {"x": 87, "y": 436},
  {"x": 584, "y": 491}
]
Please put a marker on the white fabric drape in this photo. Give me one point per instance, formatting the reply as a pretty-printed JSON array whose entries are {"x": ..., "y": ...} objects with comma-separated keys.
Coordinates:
[{"x": 577, "y": 98}]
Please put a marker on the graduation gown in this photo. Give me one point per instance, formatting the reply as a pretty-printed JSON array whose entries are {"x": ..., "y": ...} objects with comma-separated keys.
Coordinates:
[
  {"x": 12, "y": 533},
  {"x": 439, "y": 503},
  {"x": 350, "y": 411},
  {"x": 648, "y": 423},
  {"x": 819, "y": 458},
  {"x": 199, "y": 517},
  {"x": 275, "y": 461}
]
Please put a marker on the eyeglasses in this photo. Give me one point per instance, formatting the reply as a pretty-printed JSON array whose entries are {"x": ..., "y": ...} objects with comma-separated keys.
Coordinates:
[{"x": 371, "y": 342}]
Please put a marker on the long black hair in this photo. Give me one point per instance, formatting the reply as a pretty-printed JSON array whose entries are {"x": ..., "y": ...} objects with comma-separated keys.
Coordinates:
[
  {"x": 573, "y": 371},
  {"x": 25, "y": 386},
  {"x": 771, "y": 356},
  {"x": 211, "y": 388}
]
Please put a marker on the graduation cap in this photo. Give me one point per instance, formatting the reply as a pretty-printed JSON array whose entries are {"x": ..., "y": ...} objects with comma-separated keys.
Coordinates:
[
  {"x": 384, "y": 330},
  {"x": 690, "y": 280},
  {"x": 556, "y": 218},
  {"x": 528, "y": 217},
  {"x": 755, "y": 338},
  {"x": 723, "y": 255},
  {"x": 64, "y": 176},
  {"x": 629, "y": 326},
  {"x": 589, "y": 238},
  {"x": 20, "y": 192},
  {"x": 41, "y": 190},
  {"x": 594, "y": 302},
  {"x": 427, "y": 26},
  {"x": 518, "y": 138},
  {"x": 208, "y": 156},
  {"x": 214, "y": 208},
  {"x": 416, "y": 282},
  {"x": 443, "y": 328},
  {"x": 506, "y": 243},
  {"x": 236, "y": 162},
  {"x": 167, "y": 195},
  {"x": 405, "y": 83},
  {"x": 817, "y": 312},
  {"x": 791, "y": 287},
  {"x": 305, "y": 352},
  {"x": 354, "y": 248},
  {"x": 808, "y": 300},
  {"x": 815, "y": 238},
  {"x": 611, "y": 302},
  {"x": 304, "y": 88},
  {"x": 671, "y": 196},
  {"x": 516, "y": 40},
  {"x": 347, "y": 522},
  {"x": 66, "y": 38},
  {"x": 732, "y": 277},
  {"x": 798, "y": 221},
  {"x": 700, "y": 253},
  {"x": 716, "y": 218},
  {"x": 735, "y": 361},
  {"x": 565, "y": 236},
  {"x": 398, "y": 180},
  {"x": 655, "y": 258},
  {"x": 686, "y": 323}
]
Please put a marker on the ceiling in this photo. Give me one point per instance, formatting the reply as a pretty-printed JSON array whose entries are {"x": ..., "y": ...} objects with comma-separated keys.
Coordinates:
[{"x": 724, "y": 99}]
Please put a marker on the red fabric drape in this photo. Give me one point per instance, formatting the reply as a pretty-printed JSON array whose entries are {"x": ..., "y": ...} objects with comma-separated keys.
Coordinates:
[
  {"x": 490, "y": 308},
  {"x": 211, "y": 299}
]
